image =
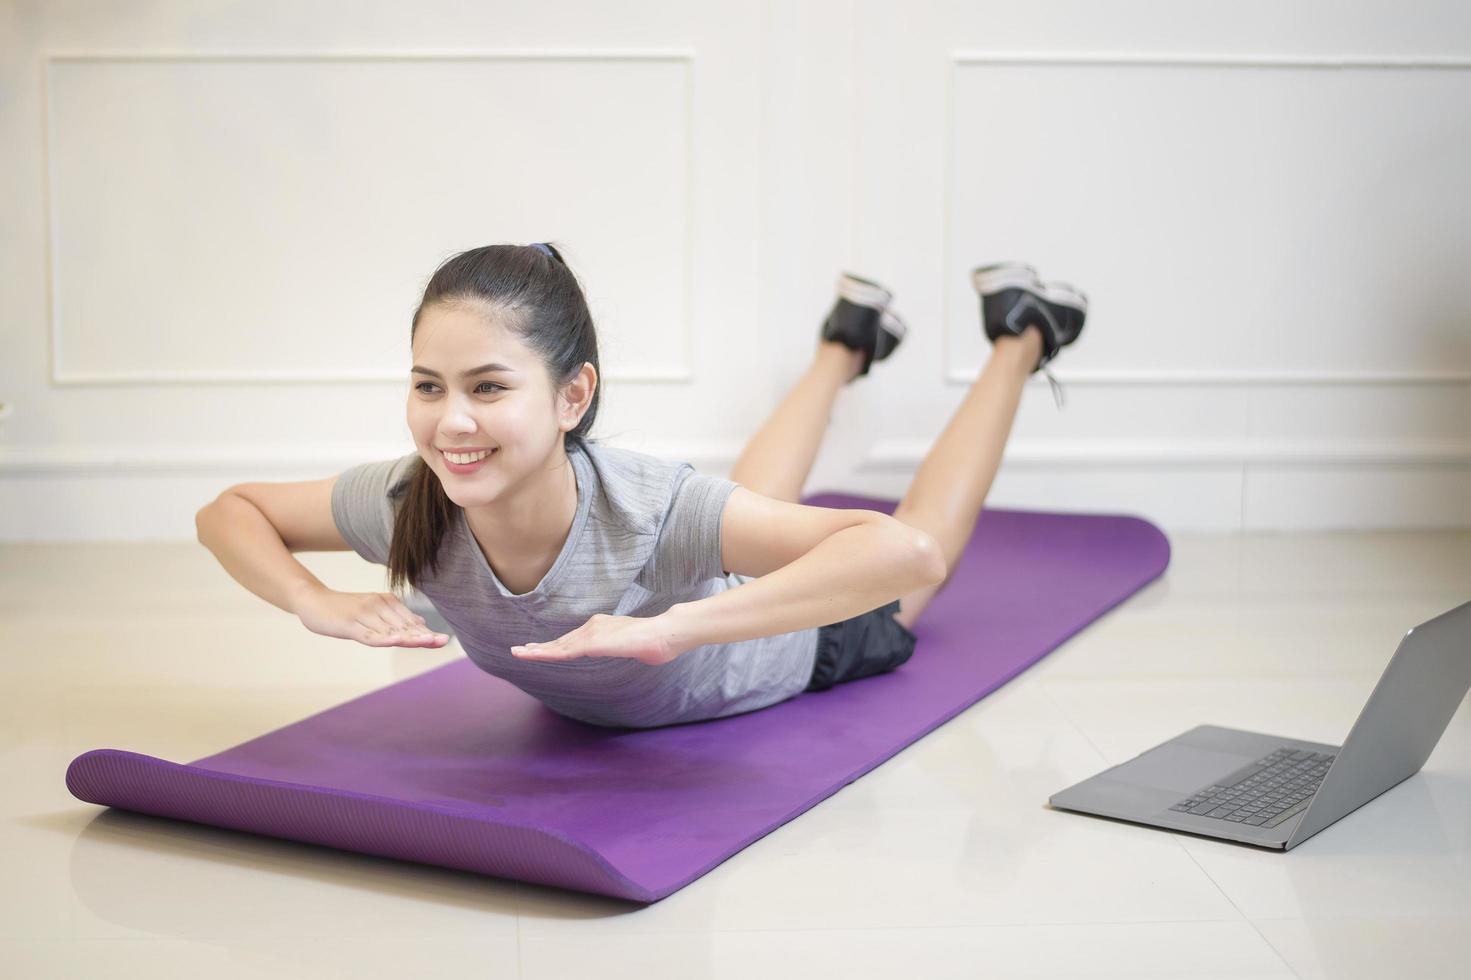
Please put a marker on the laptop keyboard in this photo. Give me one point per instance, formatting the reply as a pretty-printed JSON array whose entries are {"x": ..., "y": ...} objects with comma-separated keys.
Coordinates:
[{"x": 1280, "y": 785}]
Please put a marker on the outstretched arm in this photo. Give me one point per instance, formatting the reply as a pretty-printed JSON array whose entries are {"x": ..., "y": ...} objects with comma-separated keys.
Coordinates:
[
  {"x": 812, "y": 566},
  {"x": 871, "y": 562}
]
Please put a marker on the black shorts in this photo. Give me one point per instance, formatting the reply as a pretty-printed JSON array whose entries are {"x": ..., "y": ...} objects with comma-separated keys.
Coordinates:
[{"x": 869, "y": 643}]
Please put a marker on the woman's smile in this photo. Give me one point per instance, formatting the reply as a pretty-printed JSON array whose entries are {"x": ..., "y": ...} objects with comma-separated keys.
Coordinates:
[{"x": 474, "y": 460}]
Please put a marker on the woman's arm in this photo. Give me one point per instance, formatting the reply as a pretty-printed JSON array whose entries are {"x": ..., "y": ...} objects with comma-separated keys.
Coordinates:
[
  {"x": 861, "y": 567},
  {"x": 250, "y": 548}
]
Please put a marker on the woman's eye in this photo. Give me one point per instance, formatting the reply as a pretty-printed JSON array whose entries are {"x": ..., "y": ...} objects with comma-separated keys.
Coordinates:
[{"x": 421, "y": 385}]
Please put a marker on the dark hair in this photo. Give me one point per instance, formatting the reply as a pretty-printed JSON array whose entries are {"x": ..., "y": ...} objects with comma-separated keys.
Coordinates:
[{"x": 541, "y": 302}]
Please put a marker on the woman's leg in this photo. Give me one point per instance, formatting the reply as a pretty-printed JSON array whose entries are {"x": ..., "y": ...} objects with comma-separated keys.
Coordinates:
[
  {"x": 779, "y": 456},
  {"x": 946, "y": 495}
]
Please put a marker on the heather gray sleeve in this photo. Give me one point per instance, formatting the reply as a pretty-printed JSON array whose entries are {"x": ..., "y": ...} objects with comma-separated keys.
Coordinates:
[
  {"x": 362, "y": 508},
  {"x": 688, "y": 550}
]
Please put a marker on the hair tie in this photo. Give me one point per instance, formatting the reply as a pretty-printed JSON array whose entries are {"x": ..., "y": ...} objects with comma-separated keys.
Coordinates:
[{"x": 545, "y": 249}]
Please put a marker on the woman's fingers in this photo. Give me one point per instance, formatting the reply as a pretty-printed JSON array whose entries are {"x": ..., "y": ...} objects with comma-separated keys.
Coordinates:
[
  {"x": 387, "y": 633},
  {"x": 400, "y": 626},
  {"x": 395, "y": 624},
  {"x": 414, "y": 635},
  {"x": 395, "y": 613},
  {"x": 404, "y": 638}
]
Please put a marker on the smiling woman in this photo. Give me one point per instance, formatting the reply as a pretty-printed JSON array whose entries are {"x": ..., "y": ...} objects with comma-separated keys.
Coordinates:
[
  {"x": 518, "y": 313},
  {"x": 596, "y": 579}
]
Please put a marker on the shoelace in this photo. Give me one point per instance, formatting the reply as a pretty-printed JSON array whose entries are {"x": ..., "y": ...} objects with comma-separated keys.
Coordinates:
[
  {"x": 1056, "y": 386},
  {"x": 1013, "y": 319}
]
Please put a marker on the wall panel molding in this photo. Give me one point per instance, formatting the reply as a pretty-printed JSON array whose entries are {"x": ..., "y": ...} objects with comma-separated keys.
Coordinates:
[
  {"x": 113, "y": 460},
  {"x": 961, "y": 58},
  {"x": 886, "y": 456},
  {"x": 1104, "y": 377},
  {"x": 62, "y": 376},
  {"x": 905, "y": 455},
  {"x": 1206, "y": 59}
]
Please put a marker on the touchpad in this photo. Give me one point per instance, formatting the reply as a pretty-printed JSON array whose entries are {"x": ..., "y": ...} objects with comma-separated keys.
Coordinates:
[{"x": 1179, "y": 767}]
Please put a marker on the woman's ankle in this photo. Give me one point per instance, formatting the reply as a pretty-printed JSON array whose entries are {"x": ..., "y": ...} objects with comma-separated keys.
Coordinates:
[
  {"x": 1027, "y": 348},
  {"x": 841, "y": 358}
]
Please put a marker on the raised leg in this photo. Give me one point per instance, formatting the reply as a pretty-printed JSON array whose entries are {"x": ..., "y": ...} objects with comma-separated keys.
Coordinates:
[
  {"x": 946, "y": 494},
  {"x": 779, "y": 456}
]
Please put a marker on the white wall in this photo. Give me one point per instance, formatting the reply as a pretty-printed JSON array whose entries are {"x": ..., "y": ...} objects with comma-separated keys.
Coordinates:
[{"x": 218, "y": 218}]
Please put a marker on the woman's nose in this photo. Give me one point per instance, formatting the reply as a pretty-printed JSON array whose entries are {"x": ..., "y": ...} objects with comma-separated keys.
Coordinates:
[{"x": 457, "y": 415}]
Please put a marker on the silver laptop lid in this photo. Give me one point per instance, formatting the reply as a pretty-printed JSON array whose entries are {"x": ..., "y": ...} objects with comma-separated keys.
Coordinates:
[{"x": 1406, "y": 714}]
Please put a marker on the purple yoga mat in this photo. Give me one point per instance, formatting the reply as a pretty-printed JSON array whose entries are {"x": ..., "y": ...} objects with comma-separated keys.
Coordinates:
[{"x": 458, "y": 768}]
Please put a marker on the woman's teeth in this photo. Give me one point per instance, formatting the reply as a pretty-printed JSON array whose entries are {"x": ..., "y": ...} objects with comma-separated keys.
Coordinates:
[{"x": 467, "y": 457}]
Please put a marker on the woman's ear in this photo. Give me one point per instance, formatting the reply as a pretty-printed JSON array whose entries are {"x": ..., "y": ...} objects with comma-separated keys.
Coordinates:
[{"x": 577, "y": 395}]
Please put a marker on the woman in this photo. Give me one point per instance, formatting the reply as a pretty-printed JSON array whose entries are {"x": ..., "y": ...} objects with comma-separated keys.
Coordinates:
[{"x": 618, "y": 588}]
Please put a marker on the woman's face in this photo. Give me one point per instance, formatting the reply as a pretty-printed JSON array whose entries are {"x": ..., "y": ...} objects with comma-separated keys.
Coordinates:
[{"x": 506, "y": 409}]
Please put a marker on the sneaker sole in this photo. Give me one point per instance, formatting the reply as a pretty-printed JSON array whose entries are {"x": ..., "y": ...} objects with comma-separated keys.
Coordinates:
[
  {"x": 988, "y": 279},
  {"x": 893, "y": 325},
  {"x": 1064, "y": 294},
  {"x": 1012, "y": 277},
  {"x": 863, "y": 292}
]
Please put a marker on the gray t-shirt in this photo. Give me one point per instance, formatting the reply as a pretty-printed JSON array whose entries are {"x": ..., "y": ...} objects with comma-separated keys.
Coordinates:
[{"x": 646, "y": 536}]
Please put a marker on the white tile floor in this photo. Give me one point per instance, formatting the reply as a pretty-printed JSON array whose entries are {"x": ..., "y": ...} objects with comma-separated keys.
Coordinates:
[{"x": 943, "y": 862}]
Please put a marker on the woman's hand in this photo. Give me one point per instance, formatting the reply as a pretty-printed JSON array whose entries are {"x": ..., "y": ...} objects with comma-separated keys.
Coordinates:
[
  {"x": 378, "y": 619},
  {"x": 647, "y": 639}
]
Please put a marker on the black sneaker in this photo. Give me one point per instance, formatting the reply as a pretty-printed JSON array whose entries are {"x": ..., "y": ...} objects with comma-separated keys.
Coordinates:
[
  {"x": 1013, "y": 298},
  {"x": 861, "y": 320}
]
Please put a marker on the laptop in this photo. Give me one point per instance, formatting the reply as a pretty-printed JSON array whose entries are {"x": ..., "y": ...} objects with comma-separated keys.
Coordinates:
[{"x": 1276, "y": 792}]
